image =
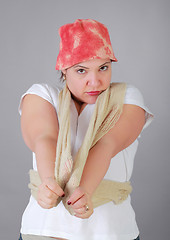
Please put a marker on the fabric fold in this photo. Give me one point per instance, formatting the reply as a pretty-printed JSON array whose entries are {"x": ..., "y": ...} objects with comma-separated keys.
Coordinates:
[{"x": 108, "y": 109}]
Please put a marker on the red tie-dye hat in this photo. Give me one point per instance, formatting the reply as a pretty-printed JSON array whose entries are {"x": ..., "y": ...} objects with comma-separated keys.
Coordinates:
[{"x": 83, "y": 40}]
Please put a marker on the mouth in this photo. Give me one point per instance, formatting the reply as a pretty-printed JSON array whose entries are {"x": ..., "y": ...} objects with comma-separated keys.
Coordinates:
[{"x": 93, "y": 93}]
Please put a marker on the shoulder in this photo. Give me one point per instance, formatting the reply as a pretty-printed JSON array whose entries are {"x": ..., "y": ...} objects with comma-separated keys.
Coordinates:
[
  {"x": 134, "y": 96},
  {"x": 46, "y": 91}
]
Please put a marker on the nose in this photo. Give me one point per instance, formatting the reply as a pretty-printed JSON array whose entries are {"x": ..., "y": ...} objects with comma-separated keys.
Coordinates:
[{"x": 94, "y": 79}]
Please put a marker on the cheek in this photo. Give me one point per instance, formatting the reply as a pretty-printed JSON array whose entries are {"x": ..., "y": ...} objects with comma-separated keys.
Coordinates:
[
  {"x": 110, "y": 77},
  {"x": 107, "y": 80},
  {"x": 70, "y": 85},
  {"x": 74, "y": 85}
]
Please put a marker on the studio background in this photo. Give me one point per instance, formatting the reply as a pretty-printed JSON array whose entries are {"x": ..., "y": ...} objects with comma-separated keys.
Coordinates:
[{"x": 29, "y": 43}]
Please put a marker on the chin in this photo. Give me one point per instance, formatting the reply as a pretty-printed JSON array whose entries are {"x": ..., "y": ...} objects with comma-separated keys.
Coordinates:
[{"x": 92, "y": 101}]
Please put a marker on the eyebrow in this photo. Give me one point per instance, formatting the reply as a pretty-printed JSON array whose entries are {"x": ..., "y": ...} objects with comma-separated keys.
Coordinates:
[
  {"x": 88, "y": 68},
  {"x": 104, "y": 63},
  {"x": 80, "y": 66}
]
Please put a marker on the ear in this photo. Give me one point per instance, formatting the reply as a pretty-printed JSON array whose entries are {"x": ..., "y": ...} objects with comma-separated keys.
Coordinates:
[{"x": 64, "y": 72}]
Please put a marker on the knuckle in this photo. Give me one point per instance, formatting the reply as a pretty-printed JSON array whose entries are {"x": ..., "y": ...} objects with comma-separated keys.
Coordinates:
[
  {"x": 80, "y": 211},
  {"x": 85, "y": 198},
  {"x": 49, "y": 194},
  {"x": 77, "y": 205},
  {"x": 49, "y": 206},
  {"x": 50, "y": 202},
  {"x": 87, "y": 216},
  {"x": 79, "y": 191},
  {"x": 41, "y": 204}
]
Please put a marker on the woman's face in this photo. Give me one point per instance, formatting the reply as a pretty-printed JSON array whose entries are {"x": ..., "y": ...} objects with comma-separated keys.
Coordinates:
[{"x": 88, "y": 79}]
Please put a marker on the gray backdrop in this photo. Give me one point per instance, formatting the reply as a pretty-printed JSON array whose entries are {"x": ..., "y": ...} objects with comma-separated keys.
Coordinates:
[{"x": 29, "y": 46}]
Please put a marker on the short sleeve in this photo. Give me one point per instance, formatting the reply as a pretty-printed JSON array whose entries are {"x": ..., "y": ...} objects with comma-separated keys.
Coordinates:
[
  {"x": 43, "y": 90},
  {"x": 134, "y": 96}
]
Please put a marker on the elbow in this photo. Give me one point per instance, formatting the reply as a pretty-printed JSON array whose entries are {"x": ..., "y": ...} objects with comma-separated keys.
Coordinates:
[
  {"x": 111, "y": 145},
  {"x": 42, "y": 142},
  {"x": 116, "y": 148}
]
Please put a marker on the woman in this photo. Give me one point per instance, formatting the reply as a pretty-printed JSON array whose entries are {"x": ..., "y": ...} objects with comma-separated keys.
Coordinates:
[{"x": 81, "y": 191}]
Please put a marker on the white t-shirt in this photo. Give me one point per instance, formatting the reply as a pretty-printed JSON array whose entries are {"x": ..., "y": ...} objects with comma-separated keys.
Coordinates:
[{"x": 109, "y": 221}]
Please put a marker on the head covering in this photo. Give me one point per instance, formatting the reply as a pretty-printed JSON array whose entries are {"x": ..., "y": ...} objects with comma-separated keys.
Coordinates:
[{"x": 83, "y": 40}]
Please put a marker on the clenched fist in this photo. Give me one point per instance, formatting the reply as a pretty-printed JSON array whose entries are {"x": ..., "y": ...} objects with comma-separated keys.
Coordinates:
[{"x": 48, "y": 193}]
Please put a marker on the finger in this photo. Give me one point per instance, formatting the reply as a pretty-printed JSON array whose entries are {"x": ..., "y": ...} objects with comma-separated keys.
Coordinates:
[
  {"x": 44, "y": 204},
  {"x": 80, "y": 211},
  {"x": 47, "y": 196},
  {"x": 76, "y": 195},
  {"x": 84, "y": 215},
  {"x": 44, "y": 191},
  {"x": 80, "y": 203},
  {"x": 53, "y": 186},
  {"x": 49, "y": 201}
]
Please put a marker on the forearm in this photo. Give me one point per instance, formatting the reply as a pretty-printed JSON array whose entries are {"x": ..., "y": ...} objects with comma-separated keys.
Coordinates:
[
  {"x": 96, "y": 166},
  {"x": 49, "y": 190},
  {"x": 45, "y": 151}
]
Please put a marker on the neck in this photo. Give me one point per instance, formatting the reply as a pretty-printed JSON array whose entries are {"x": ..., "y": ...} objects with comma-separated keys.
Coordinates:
[{"x": 79, "y": 105}]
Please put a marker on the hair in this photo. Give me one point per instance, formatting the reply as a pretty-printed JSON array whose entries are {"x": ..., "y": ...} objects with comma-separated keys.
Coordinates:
[{"x": 61, "y": 76}]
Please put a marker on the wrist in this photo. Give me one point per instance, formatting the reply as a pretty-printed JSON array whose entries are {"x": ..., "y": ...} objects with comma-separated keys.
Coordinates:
[
  {"x": 86, "y": 189},
  {"x": 46, "y": 172},
  {"x": 47, "y": 178}
]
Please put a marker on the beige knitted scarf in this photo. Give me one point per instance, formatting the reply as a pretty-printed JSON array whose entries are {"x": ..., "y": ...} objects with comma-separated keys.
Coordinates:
[{"x": 108, "y": 109}]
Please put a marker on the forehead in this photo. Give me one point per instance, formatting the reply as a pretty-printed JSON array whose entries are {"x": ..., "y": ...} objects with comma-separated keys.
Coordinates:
[{"x": 92, "y": 63}]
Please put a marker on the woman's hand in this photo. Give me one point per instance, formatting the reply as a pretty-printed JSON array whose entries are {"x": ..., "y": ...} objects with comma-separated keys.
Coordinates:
[
  {"x": 81, "y": 203},
  {"x": 48, "y": 193}
]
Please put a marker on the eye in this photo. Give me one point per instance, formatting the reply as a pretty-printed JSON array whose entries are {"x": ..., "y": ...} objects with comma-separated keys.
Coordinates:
[
  {"x": 104, "y": 68},
  {"x": 81, "y": 70}
]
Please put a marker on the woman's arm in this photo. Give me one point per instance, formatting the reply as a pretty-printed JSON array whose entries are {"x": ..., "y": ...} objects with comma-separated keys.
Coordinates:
[
  {"x": 39, "y": 125},
  {"x": 126, "y": 130}
]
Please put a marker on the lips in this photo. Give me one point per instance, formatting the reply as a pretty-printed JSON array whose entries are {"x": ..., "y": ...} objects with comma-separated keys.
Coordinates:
[{"x": 93, "y": 93}]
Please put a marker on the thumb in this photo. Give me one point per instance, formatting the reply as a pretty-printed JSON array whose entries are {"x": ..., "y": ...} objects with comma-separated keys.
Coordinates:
[
  {"x": 54, "y": 186},
  {"x": 76, "y": 195}
]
